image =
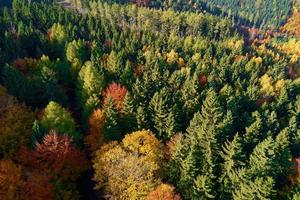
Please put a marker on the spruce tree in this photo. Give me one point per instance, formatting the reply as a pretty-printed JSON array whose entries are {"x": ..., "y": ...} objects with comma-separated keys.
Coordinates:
[
  {"x": 112, "y": 129},
  {"x": 90, "y": 84},
  {"x": 233, "y": 159},
  {"x": 129, "y": 114}
]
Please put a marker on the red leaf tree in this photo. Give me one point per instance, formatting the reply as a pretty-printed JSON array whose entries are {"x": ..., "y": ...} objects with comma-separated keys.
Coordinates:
[
  {"x": 55, "y": 156},
  {"x": 117, "y": 92}
]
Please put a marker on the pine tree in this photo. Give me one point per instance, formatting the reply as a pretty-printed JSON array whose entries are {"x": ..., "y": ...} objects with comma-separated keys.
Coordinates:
[
  {"x": 254, "y": 133},
  {"x": 90, "y": 84},
  {"x": 204, "y": 133},
  {"x": 112, "y": 129},
  {"x": 233, "y": 157},
  {"x": 129, "y": 114},
  {"x": 259, "y": 188}
]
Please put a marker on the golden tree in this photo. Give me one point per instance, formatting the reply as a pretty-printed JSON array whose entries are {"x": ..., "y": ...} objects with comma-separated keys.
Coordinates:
[
  {"x": 95, "y": 138},
  {"x": 131, "y": 169}
]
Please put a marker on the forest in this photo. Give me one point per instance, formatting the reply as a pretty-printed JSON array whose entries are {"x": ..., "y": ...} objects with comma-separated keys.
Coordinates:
[
  {"x": 263, "y": 14},
  {"x": 149, "y": 100}
]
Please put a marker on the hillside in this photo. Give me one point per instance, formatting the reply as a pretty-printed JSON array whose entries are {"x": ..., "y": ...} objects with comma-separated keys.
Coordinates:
[{"x": 149, "y": 100}]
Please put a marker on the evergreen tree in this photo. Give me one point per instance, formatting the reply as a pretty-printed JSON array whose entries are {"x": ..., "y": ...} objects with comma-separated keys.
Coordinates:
[
  {"x": 259, "y": 188},
  {"x": 129, "y": 114},
  {"x": 112, "y": 129},
  {"x": 233, "y": 159},
  {"x": 91, "y": 83}
]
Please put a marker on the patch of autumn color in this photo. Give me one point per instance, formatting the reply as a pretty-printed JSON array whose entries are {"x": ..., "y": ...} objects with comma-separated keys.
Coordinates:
[
  {"x": 172, "y": 57},
  {"x": 56, "y": 156},
  {"x": 266, "y": 82},
  {"x": 202, "y": 79},
  {"x": 257, "y": 60},
  {"x": 117, "y": 92},
  {"x": 57, "y": 33},
  {"x": 279, "y": 84},
  {"x": 181, "y": 63},
  {"x": 163, "y": 192},
  {"x": 196, "y": 57},
  {"x": 172, "y": 145},
  {"x": 107, "y": 44},
  {"x": 15, "y": 128},
  {"x": 141, "y": 3},
  {"x": 144, "y": 143},
  {"x": 293, "y": 72},
  {"x": 95, "y": 138},
  {"x": 24, "y": 64},
  {"x": 37, "y": 187},
  {"x": 131, "y": 169},
  {"x": 138, "y": 70},
  {"x": 10, "y": 180},
  {"x": 294, "y": 177},
  {"x": 293, "y": 24},
  {"x": 235, "y": 44}
]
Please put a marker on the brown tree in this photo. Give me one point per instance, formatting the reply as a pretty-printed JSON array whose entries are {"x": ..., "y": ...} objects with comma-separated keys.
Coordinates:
[{"x": 163, "y": 192}]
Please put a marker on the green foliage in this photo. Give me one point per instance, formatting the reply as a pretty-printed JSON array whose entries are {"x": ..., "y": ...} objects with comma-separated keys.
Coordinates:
[
  {"x": 90, "y": 84},
  {"x": 57, "y": 118}
]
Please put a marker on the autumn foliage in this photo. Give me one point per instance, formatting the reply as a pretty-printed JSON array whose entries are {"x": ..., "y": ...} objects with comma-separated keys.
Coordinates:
[
  {"x": 24, "y": 64},
  {"x": 10, "y": 180},
  {"x": 95, "y": 138},
  {"x": 117, "y": 92},
  {"x": 19, "y": 184},
  {"x": 131, "y": 169},
  {"x": 55, "y": 156},
  {"x": 163, "y": 192},
  {"x": 15, "y": 128}
]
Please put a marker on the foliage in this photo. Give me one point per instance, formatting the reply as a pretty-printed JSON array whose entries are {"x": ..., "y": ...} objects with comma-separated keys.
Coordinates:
[
  {"x": 15, "y": 128},
  {"x": 56, "y": 156},
  {"x": 95, "y": 138},
  {"x": 117, "y": 92},
  {"x": 129, "y": 170},
  {"x": 57, "y": 118},
  {"x": 163, "y": 192}
]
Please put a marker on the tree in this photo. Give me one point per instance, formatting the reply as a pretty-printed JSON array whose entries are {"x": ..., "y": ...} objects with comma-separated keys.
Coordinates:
[
  {"x": 57, "y": 118},
  {"x": 163, "y": 192},
  {"x": 95, "y": 138},
  {"x": 131, "y": 169},
  {"x": 233, "y": 159},
  {"x": 199, "y": 156},
  {"x": 57, "y": 33},
  {"x": 112, "y": 129},
  {"x": 162, "y": 115},
  {"x": 117, "y": 92},
  {"x": 76, "y": 54},
  {"x": 260, "y": 188},
  {"x": 128, "y": 121},
  {"x": 16, "y": 121},
  {"x": 10, "y": 180},
  {"x": 90, "y": 84},
  {"x": 55, "y": 156}
]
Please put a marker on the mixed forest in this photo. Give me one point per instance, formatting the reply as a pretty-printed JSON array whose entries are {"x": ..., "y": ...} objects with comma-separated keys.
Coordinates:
[{"x": 150, "y": 100}]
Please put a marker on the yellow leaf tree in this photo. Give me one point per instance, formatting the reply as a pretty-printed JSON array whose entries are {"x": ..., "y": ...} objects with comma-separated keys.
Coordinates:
[{"x": 131, "y": 169}]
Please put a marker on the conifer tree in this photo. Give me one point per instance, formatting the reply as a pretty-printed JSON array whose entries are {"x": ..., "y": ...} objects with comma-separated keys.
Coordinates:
[
  {"x": 129, "y": 114},
  {"x": 233, "y": 159},
  {"x": 259, "y": 188},
  {"x": 90, "y": 84},
  {"x": 112, "y": 129}
]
